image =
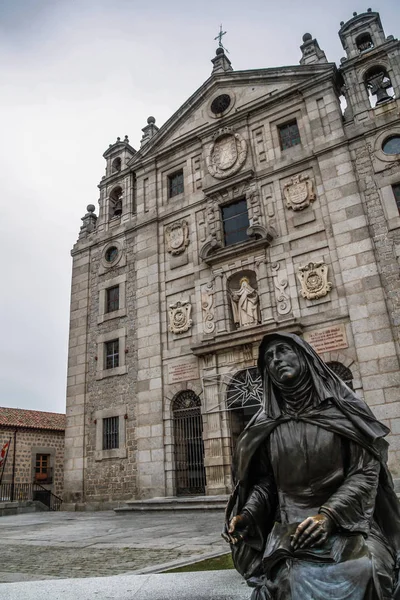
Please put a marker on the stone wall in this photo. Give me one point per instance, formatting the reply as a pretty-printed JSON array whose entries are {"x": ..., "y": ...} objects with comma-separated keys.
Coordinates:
[
  {"x": 107, "y": 478},
  {"x": 30, "y": 442}
]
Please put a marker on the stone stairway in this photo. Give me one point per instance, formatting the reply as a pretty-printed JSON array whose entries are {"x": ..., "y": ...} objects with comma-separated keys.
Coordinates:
[{"x": 175, "y": 503}]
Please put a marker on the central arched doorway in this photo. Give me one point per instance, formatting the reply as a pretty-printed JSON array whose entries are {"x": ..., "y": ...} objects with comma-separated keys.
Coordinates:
[
  {"x": 190, "y": 475},
  {"x": 244, "y": 399}
]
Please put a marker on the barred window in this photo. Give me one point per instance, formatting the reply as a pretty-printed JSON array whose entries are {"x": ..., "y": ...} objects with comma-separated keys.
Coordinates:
[
  {"x": 112, "y": 299},
  {"x": 112, "y": 354},
  {"x": 289, "y": 135},
  {"x": 175, "y": 184},
  {"x": 236, "y": 222},
  {"x": 396, "y": 194},
  {"x": 110, "y": 433}
]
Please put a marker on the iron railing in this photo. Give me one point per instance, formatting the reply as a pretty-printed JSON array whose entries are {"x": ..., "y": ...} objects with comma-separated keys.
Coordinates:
[
  {"x": 189, "y": 448},
  {"x": 24, "y": 492}
]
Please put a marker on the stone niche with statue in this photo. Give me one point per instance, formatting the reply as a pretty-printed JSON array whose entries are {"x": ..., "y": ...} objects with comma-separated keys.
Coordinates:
[{"x": 244, "y": 299}]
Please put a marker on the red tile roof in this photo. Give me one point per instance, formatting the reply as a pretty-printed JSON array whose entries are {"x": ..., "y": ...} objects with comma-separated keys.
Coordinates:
[{"x": 34, "y": 419}]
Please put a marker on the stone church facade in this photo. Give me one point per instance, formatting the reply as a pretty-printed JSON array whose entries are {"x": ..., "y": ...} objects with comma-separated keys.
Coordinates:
[{"x": 261, "y": 205}]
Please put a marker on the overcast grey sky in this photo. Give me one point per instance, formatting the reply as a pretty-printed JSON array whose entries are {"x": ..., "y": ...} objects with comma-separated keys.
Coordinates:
[{"x": 74, "y": 76}]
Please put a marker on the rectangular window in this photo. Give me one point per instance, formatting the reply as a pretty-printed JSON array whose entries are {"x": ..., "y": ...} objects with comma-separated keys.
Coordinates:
[
  {"x": 112, "y": 354},
  {"x": 110, "y": 433},
  {"x": 396, "y": 194},
  {"x": 112, "y": 298},
  {"x": 42, "y": 468},
  {"x": 236, "y": 222},
  {"x": 289, "y": 135},
  {"x": 175, "y": 184}
]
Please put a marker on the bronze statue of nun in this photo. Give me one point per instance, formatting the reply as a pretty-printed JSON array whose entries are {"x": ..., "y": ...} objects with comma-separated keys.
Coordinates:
[{"x": 314, "y": 515}]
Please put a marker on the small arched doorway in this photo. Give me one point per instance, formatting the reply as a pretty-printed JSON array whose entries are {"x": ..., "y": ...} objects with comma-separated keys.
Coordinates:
[
  {"x": 244, "y": 398},
  {"x": 190, "y": 475}
]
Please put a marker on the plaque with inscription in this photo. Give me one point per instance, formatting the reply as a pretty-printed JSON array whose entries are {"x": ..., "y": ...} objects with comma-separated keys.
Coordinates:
[
  {"x": 327, "y": 339},
  {"x": 184, "y": 371}
]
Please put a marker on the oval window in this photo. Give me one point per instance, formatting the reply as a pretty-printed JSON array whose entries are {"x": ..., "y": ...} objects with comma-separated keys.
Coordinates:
[
  {"x": 220, "y": 104},
  {"x": 111, "y": 254},
  {"x": 392, "y": 145}
]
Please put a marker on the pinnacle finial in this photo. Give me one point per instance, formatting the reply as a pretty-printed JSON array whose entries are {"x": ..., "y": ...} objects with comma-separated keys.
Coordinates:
[{"x": 219, "y": 38}]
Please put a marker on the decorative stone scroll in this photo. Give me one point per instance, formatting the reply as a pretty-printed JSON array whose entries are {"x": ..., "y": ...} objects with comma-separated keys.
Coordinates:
[
  {"x": 177, "y": 237},
  {"x": 283, "y": 302},
  {"x": 314, "y": 280},
  {"x": 299, "y": 192},
  {"x": 227, "y": 153},
  {"x": 207, "y": 305},
  {"x": 179, "y": 317}
]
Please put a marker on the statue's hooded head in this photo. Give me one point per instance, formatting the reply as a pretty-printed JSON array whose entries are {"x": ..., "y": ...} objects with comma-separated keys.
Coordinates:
[{"x": 293, "y": 372}]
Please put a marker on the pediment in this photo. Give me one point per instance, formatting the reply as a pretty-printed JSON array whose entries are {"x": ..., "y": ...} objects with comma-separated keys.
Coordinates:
[{"x": 247, "y": 89}]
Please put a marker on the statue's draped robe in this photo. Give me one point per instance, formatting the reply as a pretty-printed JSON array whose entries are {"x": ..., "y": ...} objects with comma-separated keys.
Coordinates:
[{"x": 327, "y": 457}]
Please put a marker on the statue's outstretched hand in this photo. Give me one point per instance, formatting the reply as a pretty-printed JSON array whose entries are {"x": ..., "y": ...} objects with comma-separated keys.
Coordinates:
[
  {"x": 312, "y": 532},
  {"x": 237, "y": 530}
]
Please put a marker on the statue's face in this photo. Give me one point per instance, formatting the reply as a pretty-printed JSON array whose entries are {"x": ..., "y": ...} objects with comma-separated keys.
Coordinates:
[{"x": 282, "y": 362}]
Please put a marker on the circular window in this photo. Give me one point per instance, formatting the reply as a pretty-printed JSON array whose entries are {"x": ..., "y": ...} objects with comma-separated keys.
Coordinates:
[
  {"x": 111, "y": 254},
  {"x": 220, "y": 104},
  {"x": 392, "y": 145}
]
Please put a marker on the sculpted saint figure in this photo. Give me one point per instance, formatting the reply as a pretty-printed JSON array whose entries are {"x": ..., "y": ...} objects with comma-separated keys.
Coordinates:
[
  {"x": 245, "y": 304},
  {"x": 313, "y": 515}
]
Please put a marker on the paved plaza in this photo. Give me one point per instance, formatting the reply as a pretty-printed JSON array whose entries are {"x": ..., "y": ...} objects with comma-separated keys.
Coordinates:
[
  {"x": 60, "y": 545},
  {"x": 104, "y": 556}
]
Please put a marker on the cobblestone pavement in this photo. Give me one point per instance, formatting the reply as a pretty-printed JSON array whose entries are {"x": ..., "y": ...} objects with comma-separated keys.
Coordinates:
[{"x": 40, "y": 546}]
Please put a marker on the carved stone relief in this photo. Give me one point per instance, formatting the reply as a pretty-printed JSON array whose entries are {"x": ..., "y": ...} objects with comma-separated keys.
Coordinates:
[
  {"x": 247, "y": 351},
  {"x": 207, "y": 305},
  {"x": 299, "y": 192},
  {"x": 227, "y": 153},
  {"x": 179, "y": 317},
  {"x": 245, "y": 304},
  {"x": 314, "y": 280},
  {"x": 283, "y": 302},
  {"x": 177, "y": 237}
]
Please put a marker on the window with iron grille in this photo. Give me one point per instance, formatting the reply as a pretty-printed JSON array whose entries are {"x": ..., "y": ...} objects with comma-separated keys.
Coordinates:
[
  {"x": 112, "y": 354},
  {"x": 110, "y": 433},
  {"x": 396, "y": 193},
  {"x": 42, "y": 467},
  {"x": 236, "y": 222},
  {"x": 175, "y": 184},
  {"x": 289, "y": 135},
  {"x": 112, "y": 299}
]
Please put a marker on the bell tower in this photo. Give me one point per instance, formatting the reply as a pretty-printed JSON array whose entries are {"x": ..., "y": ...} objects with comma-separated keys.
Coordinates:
[{"x": 371, "y": 68}]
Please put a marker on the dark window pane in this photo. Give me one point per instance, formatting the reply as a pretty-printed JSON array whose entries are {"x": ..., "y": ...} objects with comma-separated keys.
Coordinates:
[
  {"x": 396, "y": 192},
  {"x": 112, "y": 354},
  {"x": 175, "y": 184},
  {"x": 111, "y": 254},
  {"x": 110, "y": 433},
  {"x": 236, "y": 222},
  {"x": 112, "y": 299},
  {"x": 392, "y": 145},
  {"x": 289, "y": 135}
]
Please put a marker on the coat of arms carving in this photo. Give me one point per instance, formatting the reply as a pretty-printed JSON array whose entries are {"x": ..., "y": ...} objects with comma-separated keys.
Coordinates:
[
  {"x": 179, "y": 317},
  {"x": 177, "y": 237},
  {"x": 227, "y": 153},
  {"x": 299, "y": 192},
  {"x": 314, "y": 280}
]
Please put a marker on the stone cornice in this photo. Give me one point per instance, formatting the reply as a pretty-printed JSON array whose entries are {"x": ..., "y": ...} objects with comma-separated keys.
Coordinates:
[
  {"x": 222, "y": 185},
  {"x": 243, "y": 336}
]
